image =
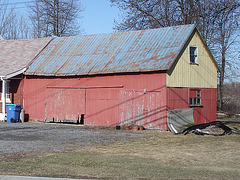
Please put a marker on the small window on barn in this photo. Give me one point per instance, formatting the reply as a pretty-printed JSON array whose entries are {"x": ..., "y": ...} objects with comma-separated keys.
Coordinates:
[
  {"x": 193, "y": 55},
  {"x": 195, "y": 97}
]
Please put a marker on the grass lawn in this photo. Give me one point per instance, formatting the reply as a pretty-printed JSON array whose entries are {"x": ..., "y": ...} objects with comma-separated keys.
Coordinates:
[{"x": 161, "y": 156}]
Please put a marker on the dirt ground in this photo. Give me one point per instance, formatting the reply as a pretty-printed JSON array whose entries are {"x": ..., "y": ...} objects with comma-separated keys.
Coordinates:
[{"x": 21, "y": 138}]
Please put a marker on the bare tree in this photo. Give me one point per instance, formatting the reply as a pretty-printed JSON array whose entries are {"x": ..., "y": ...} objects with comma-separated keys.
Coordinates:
[
  {"x": 231, "y": 97},
  {"x": 12, "y": 24},
  {"x": 217, "y": 20},
  {"x": 18, "y": 28},
  {"x": 226, "y": 27},
  {"x": 55, "y": 17},
  {"x": 147, "y": 14},
  {"x": 7, "y": 15}
]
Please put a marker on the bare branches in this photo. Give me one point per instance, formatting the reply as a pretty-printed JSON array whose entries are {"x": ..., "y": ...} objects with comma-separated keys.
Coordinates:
[
  {"x": 217, "y": 20},
  {"x": 159, "y": 13},
  {"x": 12, "y": 24},
  {"x": 55, "y": 17}
]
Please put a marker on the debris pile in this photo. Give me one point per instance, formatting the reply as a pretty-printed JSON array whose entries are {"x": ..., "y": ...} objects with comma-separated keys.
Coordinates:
[{"x": 215, "y": 128}]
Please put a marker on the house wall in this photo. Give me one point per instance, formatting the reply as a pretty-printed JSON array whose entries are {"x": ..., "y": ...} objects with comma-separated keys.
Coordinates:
[
  {"x": 202, "y": 75},
  {"x": 16, "y": 92},
  {"x": 178, "y": 98},
  {"x": 102, "y": 100}
]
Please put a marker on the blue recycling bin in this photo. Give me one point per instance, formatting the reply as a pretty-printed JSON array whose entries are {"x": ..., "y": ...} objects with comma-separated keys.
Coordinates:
[{"x": 13, "y": 112}]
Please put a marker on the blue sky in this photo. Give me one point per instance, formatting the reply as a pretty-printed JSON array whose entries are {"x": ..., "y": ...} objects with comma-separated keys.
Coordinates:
[{"x": 98, "y": 16}]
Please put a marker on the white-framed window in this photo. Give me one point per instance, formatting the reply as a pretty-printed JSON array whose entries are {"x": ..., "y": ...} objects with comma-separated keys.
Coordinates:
[
  {"x": 8, "y": 99},
  {"x": 193, "y": 55}
]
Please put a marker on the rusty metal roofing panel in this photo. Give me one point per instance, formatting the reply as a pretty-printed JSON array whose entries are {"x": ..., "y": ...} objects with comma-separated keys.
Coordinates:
[
  {"x": 17, "y": 54},
  {"x": 134, "y": 51}
]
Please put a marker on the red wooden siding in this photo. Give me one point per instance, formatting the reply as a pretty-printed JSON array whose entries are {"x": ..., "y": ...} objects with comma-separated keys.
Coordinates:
[
  {"x": 64, "y": 104},
  {"x": 147, "y": 108},
  {"x": 208, "y": 111},
  {"x": 104, "y": 100},
  {"x": 102, "y": 106},
  {"x": 179, "y": 98},
  {"x": 141, "y": 99}
]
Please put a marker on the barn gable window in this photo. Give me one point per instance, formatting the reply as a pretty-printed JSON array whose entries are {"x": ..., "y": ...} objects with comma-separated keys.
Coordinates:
[
  {"x": 193, "y": 55},
  {"x": 195, "y": 97}
]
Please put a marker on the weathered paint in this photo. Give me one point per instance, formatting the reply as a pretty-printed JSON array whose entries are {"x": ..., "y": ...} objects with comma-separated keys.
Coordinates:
[
  {"x": 63, "y": 104},
  {"x": 113, "y": 100},
  {"x": 178, "y": 98},
  {"x": 104, "y": 100},
  {"x": 145, "y": 107},
  {"x": 134, "y": 51},
  {"x": 203, "y": 75}
]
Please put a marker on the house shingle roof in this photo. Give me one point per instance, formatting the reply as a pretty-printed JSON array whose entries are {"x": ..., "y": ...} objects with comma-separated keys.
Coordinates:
[
  {"x": 134, "y": 51},
  {"x": 17, "y": 54}
]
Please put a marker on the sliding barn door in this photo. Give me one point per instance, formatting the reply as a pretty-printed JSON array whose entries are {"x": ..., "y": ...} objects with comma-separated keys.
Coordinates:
[{"x": 64, "y": 105}]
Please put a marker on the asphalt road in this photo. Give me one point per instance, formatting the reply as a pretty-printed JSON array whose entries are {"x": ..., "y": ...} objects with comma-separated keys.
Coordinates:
[{"x": 43, "y": 137}]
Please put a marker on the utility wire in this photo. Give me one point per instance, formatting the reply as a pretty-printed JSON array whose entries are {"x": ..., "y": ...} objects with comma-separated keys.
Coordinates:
[
  {"x": 12, "y": 4},
  {"x": 26, "y": 2},
  {"x": 16, "y": 3}
]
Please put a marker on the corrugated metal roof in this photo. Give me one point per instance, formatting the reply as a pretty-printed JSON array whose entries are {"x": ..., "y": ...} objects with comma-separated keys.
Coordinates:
[
  {"x": 134, "y": 51},
  {"x": 17, "y": 54}
]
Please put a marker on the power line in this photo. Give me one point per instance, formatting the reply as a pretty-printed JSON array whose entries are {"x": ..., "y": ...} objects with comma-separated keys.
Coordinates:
[
  {"x": 16, "y": 3},
  {"x": 26, "y": 2},
  {"x": 12, "y": 4}
]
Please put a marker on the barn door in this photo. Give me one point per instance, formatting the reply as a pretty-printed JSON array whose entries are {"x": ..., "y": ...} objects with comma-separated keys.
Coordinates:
[
  {"x": 154, "y": 110},
  {"x": 102, "y": 106},
  {"x": 64, "y": 105},
  {"x": 142, "y": 108}
]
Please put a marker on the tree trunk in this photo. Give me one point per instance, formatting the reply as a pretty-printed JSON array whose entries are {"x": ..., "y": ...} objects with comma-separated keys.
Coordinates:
[{"x": 221, "y": 79}]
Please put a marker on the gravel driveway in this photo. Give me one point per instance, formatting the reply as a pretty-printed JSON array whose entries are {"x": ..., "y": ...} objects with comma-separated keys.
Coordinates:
[{"x": 39, "y": 137}]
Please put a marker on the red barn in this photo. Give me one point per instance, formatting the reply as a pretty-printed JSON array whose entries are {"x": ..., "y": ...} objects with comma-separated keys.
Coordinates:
[{"x": 136, "y": 77}]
